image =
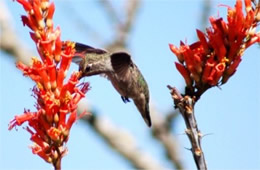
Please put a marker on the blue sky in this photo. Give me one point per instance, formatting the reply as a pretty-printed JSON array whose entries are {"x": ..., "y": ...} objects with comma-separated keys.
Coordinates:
[{"x": 230, "y": 114}]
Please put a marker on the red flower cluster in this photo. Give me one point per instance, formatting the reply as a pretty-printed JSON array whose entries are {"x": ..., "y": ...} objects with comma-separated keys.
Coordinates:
[
  {"x": 214, "y": 58},
  {"x": 56, "y": 101}
]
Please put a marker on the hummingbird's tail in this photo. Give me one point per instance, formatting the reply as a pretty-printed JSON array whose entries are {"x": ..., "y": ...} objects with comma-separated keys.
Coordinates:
[
  {"x": 146, "y": 116},
  {"x": 145, "y": 112}
]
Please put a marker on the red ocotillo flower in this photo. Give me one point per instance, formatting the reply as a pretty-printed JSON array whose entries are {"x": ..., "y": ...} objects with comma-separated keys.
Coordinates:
[
  {"x": 56, "y": 100},
  {"x": 214, "y": 58}
]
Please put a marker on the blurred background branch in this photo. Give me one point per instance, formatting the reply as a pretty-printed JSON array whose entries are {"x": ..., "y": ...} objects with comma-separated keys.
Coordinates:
[
  {"x": 161, "y": 132},
  {"x": 120, "y": 140},
  {"x": 206, "y": 9},
  {"x": 9, "y": 41},
  {"x": 122, "y": 27}
]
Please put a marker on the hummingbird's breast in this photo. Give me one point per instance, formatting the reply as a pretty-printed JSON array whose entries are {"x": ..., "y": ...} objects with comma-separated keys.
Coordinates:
[
  {"x": 119, "y": 85},
  {"x": 127, "y": 86}
]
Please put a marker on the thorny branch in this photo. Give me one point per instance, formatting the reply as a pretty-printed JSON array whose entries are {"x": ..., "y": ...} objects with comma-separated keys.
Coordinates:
[{"x": 186, "y": 107}]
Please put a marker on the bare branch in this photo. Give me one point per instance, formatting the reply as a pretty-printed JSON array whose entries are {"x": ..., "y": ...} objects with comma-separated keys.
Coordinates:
[
  {"x": 186, "y": 107},
  {"x": 124, "y": 28},
  {"x": 171, "y": 117},
  {"x": 111, "y": 12},
  {"x": 161, "y": 131},
  {"x": 79, "y": 24},
  {"x": 9, "y": 42},
  {"x": 206, "y": 7},
  {"x": 121, "y": 141}
]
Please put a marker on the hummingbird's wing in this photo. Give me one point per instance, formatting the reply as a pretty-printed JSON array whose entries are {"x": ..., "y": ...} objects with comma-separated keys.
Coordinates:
[
  {"x": 82, "y": 50},
  {"x": 121, "y": 62},
  {"x": 88, "y": 49}
]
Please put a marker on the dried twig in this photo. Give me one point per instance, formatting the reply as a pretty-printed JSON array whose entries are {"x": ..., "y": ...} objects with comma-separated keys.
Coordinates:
[
  {"x": 9, "y": 42},
  {"x": 161, "y": 131},
  {"x": 206, "y": 7},
  {"x": 86, "y": 29},
  {"x": 186, "y": 107},
  {"x": 124, "y": 27},
  {"x": 121, "y": 141},
  {"x": 108, "y": 7}
]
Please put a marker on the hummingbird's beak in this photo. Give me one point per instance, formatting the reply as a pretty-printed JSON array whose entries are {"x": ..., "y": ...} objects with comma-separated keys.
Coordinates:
[{"x": 80, "y": 75}]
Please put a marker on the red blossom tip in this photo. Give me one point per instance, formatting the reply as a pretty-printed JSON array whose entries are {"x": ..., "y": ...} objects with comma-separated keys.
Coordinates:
[
  {"x": 71, "y": 120},
  {"x": 19, "y": 120},
  {"x": 185, "y": 73},
  {"x": 26, "y": 5},
  {"x": 177, "y": 52},
  {"x": 51, "y": 11}
]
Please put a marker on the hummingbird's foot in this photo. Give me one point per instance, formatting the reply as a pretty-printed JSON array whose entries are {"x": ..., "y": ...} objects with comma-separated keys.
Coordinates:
[{"x": 125, "y": 99}]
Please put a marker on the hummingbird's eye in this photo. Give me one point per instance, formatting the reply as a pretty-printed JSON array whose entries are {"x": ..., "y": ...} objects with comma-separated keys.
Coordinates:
[{"x": 87, "y": 69}]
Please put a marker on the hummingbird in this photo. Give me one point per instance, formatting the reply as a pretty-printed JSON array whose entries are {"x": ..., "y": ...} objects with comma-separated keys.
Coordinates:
[{"x": 119, "y": 68}]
